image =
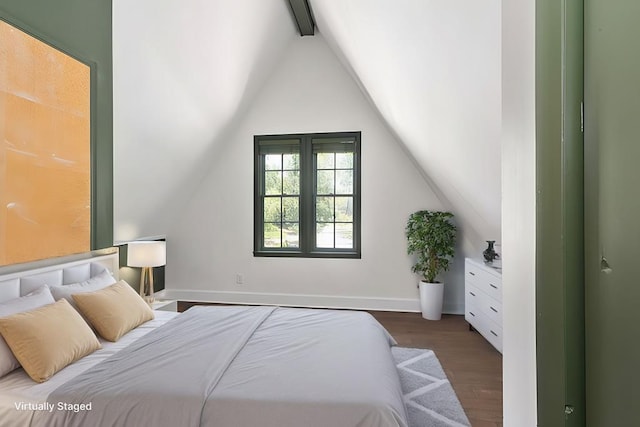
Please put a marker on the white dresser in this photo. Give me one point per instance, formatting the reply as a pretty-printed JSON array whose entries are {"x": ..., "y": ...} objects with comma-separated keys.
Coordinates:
[{"x": 483, "y": 300}]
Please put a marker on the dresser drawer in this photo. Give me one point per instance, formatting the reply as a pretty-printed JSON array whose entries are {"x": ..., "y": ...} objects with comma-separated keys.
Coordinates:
[
  {"x": 486, "y": 281},
  {"x": 493, "y": 333},
  {"x": 493, "y": 310},
  {"x": 489, "y": 306},
  {"x": 472, "y": 314},
  {"x": 472, "y": 296}
]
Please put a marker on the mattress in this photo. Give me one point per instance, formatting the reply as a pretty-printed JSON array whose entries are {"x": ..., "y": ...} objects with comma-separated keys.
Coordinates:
[{"x": 224, "y": 366}]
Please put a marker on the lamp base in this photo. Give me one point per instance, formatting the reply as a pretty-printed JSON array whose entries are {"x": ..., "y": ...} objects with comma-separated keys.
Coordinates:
[{"x": 146, "y": 282}]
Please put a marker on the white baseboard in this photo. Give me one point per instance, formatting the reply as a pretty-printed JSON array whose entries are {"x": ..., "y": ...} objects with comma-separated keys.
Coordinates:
[{"x": 299, "y": 300}]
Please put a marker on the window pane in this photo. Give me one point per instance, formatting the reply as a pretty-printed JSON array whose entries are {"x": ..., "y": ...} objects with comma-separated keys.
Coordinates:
[
  {"x": 273, "y": 161},
  {"x": 291, "y": 208},
  {"x": 344, "y": 182},
  {"x": 344, "y": 236},
  {"x": 272, "y": 236},
  {"x": 325, "y": 161},
  {"x": 292, "y": 161},
  {"x": 324, "y": 183},
  {"x": 273, "y": 183},
  {"x": 344, "y": 160},
  {"x": 291, "y": 235},
  {"x": 272, "y": 211},
  {"x": 344, "y": 209},
  {"x": 324, "y": 235},
  {"x": 291, "y": 182},
  {"x": 324, "y": 209}
]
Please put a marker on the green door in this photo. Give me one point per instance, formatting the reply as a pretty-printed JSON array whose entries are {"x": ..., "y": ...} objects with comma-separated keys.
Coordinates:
[{"x": 612, "y": 212}]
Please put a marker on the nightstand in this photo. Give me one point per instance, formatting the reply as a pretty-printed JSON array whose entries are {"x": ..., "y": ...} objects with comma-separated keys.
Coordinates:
[{"x": 165, "y": 305}]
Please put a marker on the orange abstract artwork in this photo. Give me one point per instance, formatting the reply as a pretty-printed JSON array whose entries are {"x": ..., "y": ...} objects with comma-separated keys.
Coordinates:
[{"x": 45, "y": 161}]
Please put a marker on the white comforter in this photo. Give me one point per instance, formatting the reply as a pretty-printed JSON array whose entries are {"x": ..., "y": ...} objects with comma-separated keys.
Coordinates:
[
  {"x": 240, "y": 366},
  {"x": 17, "y": 387}
]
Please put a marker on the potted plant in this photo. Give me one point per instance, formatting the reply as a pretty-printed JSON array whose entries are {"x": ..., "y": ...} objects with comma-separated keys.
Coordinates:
[{"x": 431, "y": 237}]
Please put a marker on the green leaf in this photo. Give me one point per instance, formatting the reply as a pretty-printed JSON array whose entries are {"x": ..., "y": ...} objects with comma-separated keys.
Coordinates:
[{"x": 431, "y": 237}]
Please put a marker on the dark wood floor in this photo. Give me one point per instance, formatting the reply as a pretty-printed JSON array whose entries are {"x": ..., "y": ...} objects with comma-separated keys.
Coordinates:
[{"x": 472, "y": 365}]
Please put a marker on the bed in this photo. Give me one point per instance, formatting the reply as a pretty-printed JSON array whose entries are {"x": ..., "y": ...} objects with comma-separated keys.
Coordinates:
[{"x": 213, "y": 366}]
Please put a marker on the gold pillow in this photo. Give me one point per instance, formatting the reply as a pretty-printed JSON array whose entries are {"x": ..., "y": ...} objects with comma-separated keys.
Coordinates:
[
  {"x": 114, "y": 310},
  {"x": 47, "y": 339}
]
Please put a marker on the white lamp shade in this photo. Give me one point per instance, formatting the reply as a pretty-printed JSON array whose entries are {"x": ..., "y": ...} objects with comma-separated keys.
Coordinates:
[{"x": 146, "y": 254}]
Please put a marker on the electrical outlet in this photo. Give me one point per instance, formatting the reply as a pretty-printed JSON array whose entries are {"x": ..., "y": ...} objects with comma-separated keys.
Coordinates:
[{"x": 239, "y": 279}]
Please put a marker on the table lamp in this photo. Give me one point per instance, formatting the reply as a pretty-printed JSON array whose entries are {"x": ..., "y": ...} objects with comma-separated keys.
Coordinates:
[{"x": 146, "y": 255}]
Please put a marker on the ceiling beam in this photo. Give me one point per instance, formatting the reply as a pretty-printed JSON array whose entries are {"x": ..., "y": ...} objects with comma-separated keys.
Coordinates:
[{"x": 302, "y": 14}]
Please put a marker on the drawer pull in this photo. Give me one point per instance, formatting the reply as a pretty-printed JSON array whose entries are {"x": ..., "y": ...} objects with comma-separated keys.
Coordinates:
[
  {"x": 472, "y": 273},
  {"x": 494, "y": 333},
  {"x": 493, "y": 309},
  {"x": 472, "y": 293},
  {"x": 493, "y": 286},
  {"x": 471, "y": 313}
]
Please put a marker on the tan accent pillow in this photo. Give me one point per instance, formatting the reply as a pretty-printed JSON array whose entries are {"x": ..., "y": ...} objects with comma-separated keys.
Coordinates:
[
  {"x": 47, "y": 339},
  {"x": 35, "y": 299},
  {"x": 114, "y": 310}
]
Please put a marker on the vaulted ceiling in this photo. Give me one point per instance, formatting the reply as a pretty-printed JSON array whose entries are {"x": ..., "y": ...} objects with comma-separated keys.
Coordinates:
[
  {"x": 184, "y": 72},
  {"x": 432, "y": 69}
]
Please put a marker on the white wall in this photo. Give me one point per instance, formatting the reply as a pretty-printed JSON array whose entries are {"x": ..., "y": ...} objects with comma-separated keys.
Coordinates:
[
  {"x": 183, "y": 71},
  {"x": 519, "y": 212},
  {"x": 186, "y": 75},
  {"x": 213, "y": 239}
]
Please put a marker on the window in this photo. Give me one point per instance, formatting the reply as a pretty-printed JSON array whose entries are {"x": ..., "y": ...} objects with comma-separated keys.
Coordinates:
[{"x": 307, "y": 195}]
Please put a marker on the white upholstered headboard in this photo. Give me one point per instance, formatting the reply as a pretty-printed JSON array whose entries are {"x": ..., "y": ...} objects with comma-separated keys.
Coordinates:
[{"x": 19, "y": 283}]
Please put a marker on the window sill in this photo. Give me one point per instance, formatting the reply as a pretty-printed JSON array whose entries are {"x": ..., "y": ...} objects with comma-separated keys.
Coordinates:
[{"x": 317, "y": 254}]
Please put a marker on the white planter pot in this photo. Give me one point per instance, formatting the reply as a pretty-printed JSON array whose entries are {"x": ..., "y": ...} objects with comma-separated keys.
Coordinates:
[{"x": 431, "y": 295}]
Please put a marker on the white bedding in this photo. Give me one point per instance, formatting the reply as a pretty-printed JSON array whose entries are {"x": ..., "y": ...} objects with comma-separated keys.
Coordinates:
[
  {"x": 17, "y": 387},
  {"x": 224, "y": 366}
]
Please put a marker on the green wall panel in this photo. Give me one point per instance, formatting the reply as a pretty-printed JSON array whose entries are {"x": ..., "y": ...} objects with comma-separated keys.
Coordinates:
[
  {"x": 560, "y": 213},
  {"x": 83, "y": 29}
]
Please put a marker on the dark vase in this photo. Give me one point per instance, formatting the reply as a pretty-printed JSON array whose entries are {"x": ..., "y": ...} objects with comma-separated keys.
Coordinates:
[{"x": 489, "y": 253}]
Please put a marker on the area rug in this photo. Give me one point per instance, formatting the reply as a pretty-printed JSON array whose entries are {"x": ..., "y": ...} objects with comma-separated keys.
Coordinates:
[{"x": 428, "y": 395}]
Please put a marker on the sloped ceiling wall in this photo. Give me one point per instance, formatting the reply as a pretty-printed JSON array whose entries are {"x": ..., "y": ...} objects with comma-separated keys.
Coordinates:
[
  {"x": 432, "y": 69},
  {"x": 184, "y": 73}
]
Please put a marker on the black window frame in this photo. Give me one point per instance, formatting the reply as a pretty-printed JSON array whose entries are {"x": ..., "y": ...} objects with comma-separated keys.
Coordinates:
[{"x": 307, "y": 212}]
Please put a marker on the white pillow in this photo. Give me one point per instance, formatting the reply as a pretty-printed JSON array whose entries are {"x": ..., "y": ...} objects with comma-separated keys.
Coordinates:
[
  {"x": 38, "y": 298},
  {"x": 95, "y": 283}
]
